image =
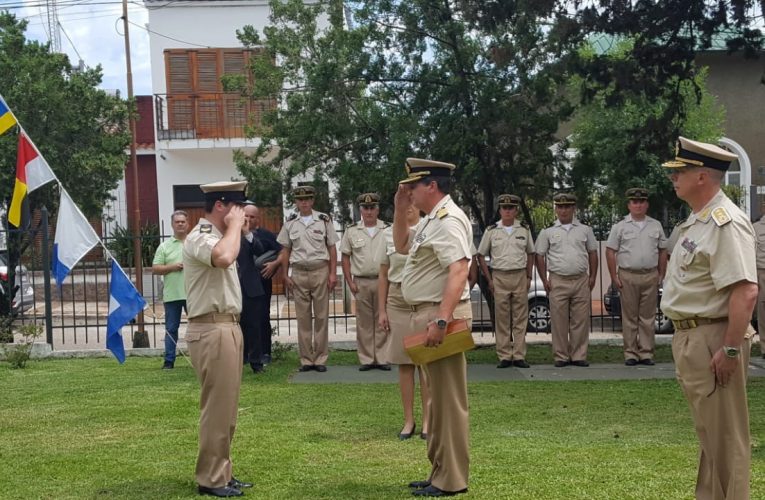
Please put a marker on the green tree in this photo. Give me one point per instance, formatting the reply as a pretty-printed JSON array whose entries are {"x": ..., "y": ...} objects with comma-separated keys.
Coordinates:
[
  {"x": 398, "y": 79},
  {"x": 80, "y": 130},
  {"x": 611, "y": 157}
]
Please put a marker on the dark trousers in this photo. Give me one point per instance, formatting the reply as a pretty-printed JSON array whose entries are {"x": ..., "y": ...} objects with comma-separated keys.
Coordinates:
[
  {"x": 266, "y": 330},
  {"x": 251, "y": 321}
]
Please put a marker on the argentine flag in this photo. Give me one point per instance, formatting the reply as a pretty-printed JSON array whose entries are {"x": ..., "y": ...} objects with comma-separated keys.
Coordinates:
[
  {"x": 124, "y": 304},
  {"x": 74, "y": 238}
]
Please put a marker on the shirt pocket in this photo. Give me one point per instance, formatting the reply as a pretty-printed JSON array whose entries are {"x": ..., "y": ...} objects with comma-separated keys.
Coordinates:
[{"x": 358, "y": 242}]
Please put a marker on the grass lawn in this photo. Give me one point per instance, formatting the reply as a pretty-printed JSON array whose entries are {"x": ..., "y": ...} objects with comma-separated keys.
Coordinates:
[{"x": 95, "y": 429}]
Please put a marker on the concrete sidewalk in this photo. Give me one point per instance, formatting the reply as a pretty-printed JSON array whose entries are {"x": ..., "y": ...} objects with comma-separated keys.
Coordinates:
[{"x": 490, "y": 373}]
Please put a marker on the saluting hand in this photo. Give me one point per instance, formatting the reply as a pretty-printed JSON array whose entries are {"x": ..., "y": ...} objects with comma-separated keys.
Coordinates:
[
  {"x": 235, "y": 217},
  {"x": 403, "y": 198}
]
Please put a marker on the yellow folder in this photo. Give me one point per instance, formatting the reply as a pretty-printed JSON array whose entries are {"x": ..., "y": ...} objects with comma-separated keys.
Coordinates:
[{"x": 458, "y": 339}]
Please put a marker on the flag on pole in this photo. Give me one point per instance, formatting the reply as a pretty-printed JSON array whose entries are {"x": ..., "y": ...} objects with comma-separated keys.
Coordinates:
[
  {"x": 7, "y": 120},
  {"x": 74, "y": 238},
  {"x": 124, "y": 304},
  {"x": 32, "y": 171}
]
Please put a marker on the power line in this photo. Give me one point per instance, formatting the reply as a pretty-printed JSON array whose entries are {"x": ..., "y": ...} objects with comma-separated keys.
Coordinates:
[
  {"x": 70, "y": 41},
  {"x": 169, "y": 37}
]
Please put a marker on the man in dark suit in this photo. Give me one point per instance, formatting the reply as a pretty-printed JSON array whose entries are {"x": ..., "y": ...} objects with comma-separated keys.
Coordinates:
[
  {"x": 254, "y": 301},
  {"x": 268, "y": 241}
]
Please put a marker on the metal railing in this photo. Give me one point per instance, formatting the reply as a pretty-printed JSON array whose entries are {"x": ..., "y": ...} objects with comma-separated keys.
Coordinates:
[{"x": 207, "y": 115}]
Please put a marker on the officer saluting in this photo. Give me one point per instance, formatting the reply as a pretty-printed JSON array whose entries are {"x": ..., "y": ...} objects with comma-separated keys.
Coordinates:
[
  {"x": 214, "y": 301},
  {"x": 434, "y": 284},
  {"x": 360, "y": 245},
  {"x": 308, "y": 239},
  {"x": 511, "y": 249},
  {"x": 709, "y": 294},
  {"x": 638, "y": 246}
]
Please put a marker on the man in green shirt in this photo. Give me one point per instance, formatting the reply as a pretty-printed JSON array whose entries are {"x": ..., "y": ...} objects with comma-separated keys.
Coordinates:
[{"x": 168, "y": 262}]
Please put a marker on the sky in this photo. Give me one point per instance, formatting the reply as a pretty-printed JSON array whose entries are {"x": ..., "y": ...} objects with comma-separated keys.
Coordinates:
[{"x": 92, "y": 30}]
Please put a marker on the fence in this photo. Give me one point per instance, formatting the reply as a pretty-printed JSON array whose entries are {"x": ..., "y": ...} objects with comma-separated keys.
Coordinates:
[{"x": 79, "y": 308}]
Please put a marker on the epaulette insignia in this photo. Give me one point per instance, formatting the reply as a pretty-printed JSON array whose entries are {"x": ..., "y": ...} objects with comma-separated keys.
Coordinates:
[
  {"x": 292, "y": 217},
  {"x": 324, "y": 217},
  {"x": 205, "y": 228},
  {"x": 721, "y": 216},
  {"x": 442, "y": 212}
]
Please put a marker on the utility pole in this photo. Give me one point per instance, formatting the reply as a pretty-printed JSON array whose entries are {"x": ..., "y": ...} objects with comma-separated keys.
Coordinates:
[
  {"x": 54, "y": 32},
  {"x": 140, "y": 336}
]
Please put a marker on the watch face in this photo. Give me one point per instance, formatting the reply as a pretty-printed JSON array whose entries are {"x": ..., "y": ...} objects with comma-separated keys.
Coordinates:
[{"x": 441, "y": 323}]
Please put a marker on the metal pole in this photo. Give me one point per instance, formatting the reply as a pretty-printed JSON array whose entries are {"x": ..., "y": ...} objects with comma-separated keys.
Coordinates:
[
  {"x": 46, "y": 278},
  {"x": 140, "y": 336}
]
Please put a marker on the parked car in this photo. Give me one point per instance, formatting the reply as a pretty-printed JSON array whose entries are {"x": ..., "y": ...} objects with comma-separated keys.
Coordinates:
[
  {"x": 539, "y": 307},
  {"x": 613, "y": 305},
  {"x": 25, "y": 294}
]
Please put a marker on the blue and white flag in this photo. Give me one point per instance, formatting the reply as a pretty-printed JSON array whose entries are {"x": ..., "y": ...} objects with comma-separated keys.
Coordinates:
[
  {"x": 124, "y": 304},
  {"x": 74, "y": 238}
]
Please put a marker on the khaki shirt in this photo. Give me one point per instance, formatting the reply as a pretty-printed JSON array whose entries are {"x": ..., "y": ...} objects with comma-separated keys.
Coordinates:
[
  {"x": 308, "y": 243},
  {"x": 508, "y": 251},
  {"x": 363, "y": 249},
  {"x": 637, "y": 249},
  {"x": 567, "y": 251},
  {"x": 209, "y": 289},
  {"x": 759, "y": 231},
  {"x": 715, "y": 249},
  {"x": 441, "y": 239},
  {"x": 672, "y": 240},
  {"x": 387, "y": 255}
]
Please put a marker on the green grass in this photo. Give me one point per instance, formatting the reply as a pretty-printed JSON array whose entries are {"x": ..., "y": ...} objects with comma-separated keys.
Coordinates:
[{"x": 95, "y": 429}]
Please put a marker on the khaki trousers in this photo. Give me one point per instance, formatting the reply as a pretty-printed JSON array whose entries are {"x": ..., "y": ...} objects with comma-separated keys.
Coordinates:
[
  {"x": 312, "y": 310},
  {"x": 449, "y": 426},
  {"x": 639, "y": 296},
  {"x": 511, "y": 312},
  {"x": 216, "y": 354},
  {"x": 372, "y": 342},
  {"x": 569, "y": 311},
  {"x": 720, "y": 414},
  {"x": 761, "y": 308}
]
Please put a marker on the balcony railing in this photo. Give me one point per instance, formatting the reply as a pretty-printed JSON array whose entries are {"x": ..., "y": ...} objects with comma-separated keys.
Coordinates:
[{"x": 207, "y": 116}]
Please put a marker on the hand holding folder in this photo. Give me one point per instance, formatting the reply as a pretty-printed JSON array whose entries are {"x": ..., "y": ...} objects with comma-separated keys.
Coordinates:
[{"x": 458, "y": 338}]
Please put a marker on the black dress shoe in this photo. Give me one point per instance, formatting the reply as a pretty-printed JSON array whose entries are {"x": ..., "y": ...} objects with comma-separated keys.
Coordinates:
[
  {"x": 561, "y": 364},
  {"x": 167, "y": 365},
  {"x": 631, "y": 362},
  {"x": 432, "y": 491},
  {"x": 365, "y": 368},
  {"x": 521, "y": 363},
  {"x": 424, "y": 435},
  {"x": 647, "y": 362},
  {"x": 406, "y": 435},
  {"x": 505, "y": 363},
  {"x": 419, "y": 484},
  {"x": 385, "y": 367},
  {"x": 306, "y": 368},
  {"x": 235, "y": 483},
  {"x": 581, "y": 362},
  {"x": 223, "y": 491},
  {"x": 320, "y": 368},
  {"x": 256, "y": 367}
]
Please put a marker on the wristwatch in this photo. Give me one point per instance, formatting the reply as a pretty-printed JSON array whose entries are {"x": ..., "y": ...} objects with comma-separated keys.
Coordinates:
[
  {"x": 731, "y": 352},
  {"x": 440, "y": 323}
]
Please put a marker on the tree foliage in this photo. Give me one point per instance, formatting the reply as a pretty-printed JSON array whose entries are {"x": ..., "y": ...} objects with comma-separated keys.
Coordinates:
[
  {"x": 80, "y": 130},
  {"x": 403, "y": 79}
]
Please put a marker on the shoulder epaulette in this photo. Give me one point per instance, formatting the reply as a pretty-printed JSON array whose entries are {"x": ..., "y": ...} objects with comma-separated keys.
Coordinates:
[
  {"x": 324, "y": 217},
  {"x": 721, "y": 216},
  {"x": 442, "y": 212},
  {"x": 205, "y": 228},
  {"x": 386, "y": 224},
  {"x": 292, "y": 217}
]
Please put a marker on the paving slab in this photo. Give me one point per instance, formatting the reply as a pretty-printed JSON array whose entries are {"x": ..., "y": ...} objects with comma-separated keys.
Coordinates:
[{"x": 349, "y": 374}]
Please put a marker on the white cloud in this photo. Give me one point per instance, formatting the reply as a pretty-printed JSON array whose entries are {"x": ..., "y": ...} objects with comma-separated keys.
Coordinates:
[{"x": 96, "y": 34}]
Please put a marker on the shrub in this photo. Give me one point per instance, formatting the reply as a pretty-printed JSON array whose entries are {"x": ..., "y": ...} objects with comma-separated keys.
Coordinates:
[{"x": 18, "y": 354}]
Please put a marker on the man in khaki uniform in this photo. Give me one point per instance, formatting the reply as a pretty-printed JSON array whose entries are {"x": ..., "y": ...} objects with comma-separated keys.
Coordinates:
[
  {"x": 759, "y": 231},
  {"x": 511, "y": 249},
  {"x": 568, "y": 248},
  {"x": 638, "y": 246},
  {"x": 360, "y": 246},
  {"x": 308, "y": 239},
  {"x": 709, "y": 294},
  {"x": 214, "y": 302},
  {"x": 434, "y": 284}
]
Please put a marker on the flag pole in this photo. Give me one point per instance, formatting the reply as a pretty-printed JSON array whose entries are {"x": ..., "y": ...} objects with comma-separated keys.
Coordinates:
[{"x": 140, "y": 336}]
